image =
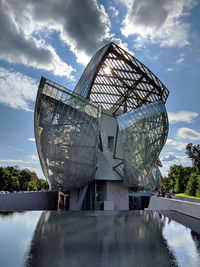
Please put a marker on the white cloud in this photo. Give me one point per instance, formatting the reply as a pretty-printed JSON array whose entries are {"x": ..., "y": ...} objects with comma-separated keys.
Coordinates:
[
  {"x": 34, "y": 157},
  {"x": 176, "y": 144},
  {"x": 182, "y": 116},
  {"x": 83, "y": 25},
  {"x": 114, "y": 10},
  {"x": 17, "y": 90},
  {"x": 38, "y": 171},
  {"x": 171, "y": 158},
  {"x": 158, "y": 21},
  {"x": 31, "y": 139},
  {"x": 20, "y": 46},
  {"x": 174, "y": 158},
  {"x": 16, "y": 161},
  {"x": 12, "y": 161},
  {"x": 170, "y": 69},
  {"x": 189, "y": 134},
  {"x": 180, "y": 60}
]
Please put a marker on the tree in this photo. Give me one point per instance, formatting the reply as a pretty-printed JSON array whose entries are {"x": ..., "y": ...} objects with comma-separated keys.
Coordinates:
[
  {"x": 25, "y": 178},
  {"x": 167, "y": 182},
  {"x": 172, "y": 177},
  {"x": 193, "y": 152},
  {"x": 9, "y": 179},
  {"x": 42, "y": 184},
  {"x": 198, "y": 187},
  {"x": 178, "y": 177},
  {"x": 191, "y": 185},
  {"x": 32, "y": 185},
  {"x": 13, "y": 179}
]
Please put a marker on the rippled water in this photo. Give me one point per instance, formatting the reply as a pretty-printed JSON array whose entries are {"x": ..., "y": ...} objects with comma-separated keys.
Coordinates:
[{"x": 103, "y": 238}]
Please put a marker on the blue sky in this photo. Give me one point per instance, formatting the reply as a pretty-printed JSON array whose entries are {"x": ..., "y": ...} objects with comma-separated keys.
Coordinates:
[{"x": 56, "y": 39}]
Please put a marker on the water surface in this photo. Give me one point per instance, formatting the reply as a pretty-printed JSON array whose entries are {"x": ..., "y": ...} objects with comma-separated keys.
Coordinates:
[{"x": 101, "y": 238}]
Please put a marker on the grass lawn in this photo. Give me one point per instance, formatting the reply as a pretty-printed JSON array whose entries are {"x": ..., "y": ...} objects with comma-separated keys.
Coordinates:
[{"x": 184, "y": 195}]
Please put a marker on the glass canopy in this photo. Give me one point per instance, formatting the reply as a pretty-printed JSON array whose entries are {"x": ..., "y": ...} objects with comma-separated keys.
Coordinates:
[
  {"x": 143, "y": 133},
  {"x": 67, "y": 124},
  {"x": 67, "y": 132}
]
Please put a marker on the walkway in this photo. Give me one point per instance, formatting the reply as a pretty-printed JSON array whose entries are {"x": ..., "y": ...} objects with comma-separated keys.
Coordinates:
[{"x": 188, "y": 199}]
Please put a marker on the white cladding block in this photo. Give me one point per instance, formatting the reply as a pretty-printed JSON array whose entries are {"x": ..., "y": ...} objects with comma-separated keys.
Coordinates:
[
  {"x": 106, "y": 162},
  {"x": 118, "y": 193},
  {"x": 108, "y": 205}
]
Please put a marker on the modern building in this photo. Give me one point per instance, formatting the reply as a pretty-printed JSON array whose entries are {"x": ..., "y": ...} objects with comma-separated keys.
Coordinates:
[{"x": 102, "y": 141}]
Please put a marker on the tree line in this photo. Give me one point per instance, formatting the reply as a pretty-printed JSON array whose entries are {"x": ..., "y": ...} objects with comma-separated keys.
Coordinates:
[
  {"x": 186, "y": 179},
  {"x": 183, "y": 180},
  {"x": 14, "y": 179}
]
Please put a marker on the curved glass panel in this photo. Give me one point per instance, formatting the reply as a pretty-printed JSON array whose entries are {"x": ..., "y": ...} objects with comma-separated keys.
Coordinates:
[
  {"x": 67, "y": 125},
  {"x": 84, "y": 84},
  {"x": 116, "y": 80},
  {"x": 143, "y": 134},
  {"x": 153, "y": 179},
  {"x": 67, "y": 131}
]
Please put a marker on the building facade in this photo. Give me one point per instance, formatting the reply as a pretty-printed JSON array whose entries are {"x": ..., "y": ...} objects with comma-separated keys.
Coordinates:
[{"x": 102, "y": 141}]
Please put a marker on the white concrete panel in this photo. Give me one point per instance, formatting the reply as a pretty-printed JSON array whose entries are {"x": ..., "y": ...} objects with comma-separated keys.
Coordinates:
[
  {"x": 187, "y": 208},
  {"x": 106, "y": 162},
  {"x": 118, "y": 193},
  {"x": 108, "y": 205}
]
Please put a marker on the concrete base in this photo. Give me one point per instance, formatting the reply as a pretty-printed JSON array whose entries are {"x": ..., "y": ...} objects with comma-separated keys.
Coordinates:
[
  {"x": 116, "y": 197},
  {"x": 29, "y": 201},
  {"x": 187, "y": 208},
  {"x": 118, "y": 193},
  {"x": 108, "y": 205}
]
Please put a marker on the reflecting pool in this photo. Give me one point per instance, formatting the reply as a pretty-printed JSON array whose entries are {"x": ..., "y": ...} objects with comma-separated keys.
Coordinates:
[{"x": 100, "y": 238}]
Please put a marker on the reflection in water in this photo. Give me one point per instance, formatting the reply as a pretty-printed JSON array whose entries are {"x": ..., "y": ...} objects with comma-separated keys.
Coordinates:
[
  {"x": 182, "y": 241},
  {"x": 9, "y": 213},
  {"x": 196, "y": 238},
  {"x": 16, "y": 233},
  {"x": 101, "y": 238}
]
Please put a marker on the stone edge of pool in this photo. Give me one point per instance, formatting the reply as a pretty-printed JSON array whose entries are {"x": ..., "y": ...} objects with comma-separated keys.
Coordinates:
[
  {"x": 185, "y": 207},
  {"x": 48, "y": 201},
  {"x": 28, "y": 201}
]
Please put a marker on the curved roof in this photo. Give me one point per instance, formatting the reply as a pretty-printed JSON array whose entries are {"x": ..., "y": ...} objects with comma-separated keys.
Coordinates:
[{"x": 117, "y": 80}]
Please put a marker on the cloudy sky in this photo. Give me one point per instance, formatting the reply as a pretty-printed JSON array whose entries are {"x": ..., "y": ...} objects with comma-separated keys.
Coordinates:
[{"x": 56, "y": 39}]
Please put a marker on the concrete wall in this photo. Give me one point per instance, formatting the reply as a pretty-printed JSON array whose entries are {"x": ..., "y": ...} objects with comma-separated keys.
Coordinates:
[
  {"x": 106, "y": 162},
  {"x": 187, "y": 208},
  {"x": 29, "y": 201},
  {"x": 73, "y": 203},
  {"x": 108, "y": 205},
  {"x": 118, "y": 193},
  {"x": 188, "y": 199}
]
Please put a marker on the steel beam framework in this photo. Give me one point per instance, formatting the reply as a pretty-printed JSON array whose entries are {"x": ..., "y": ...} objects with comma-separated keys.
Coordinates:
[{"x": 67, "y": 124}]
